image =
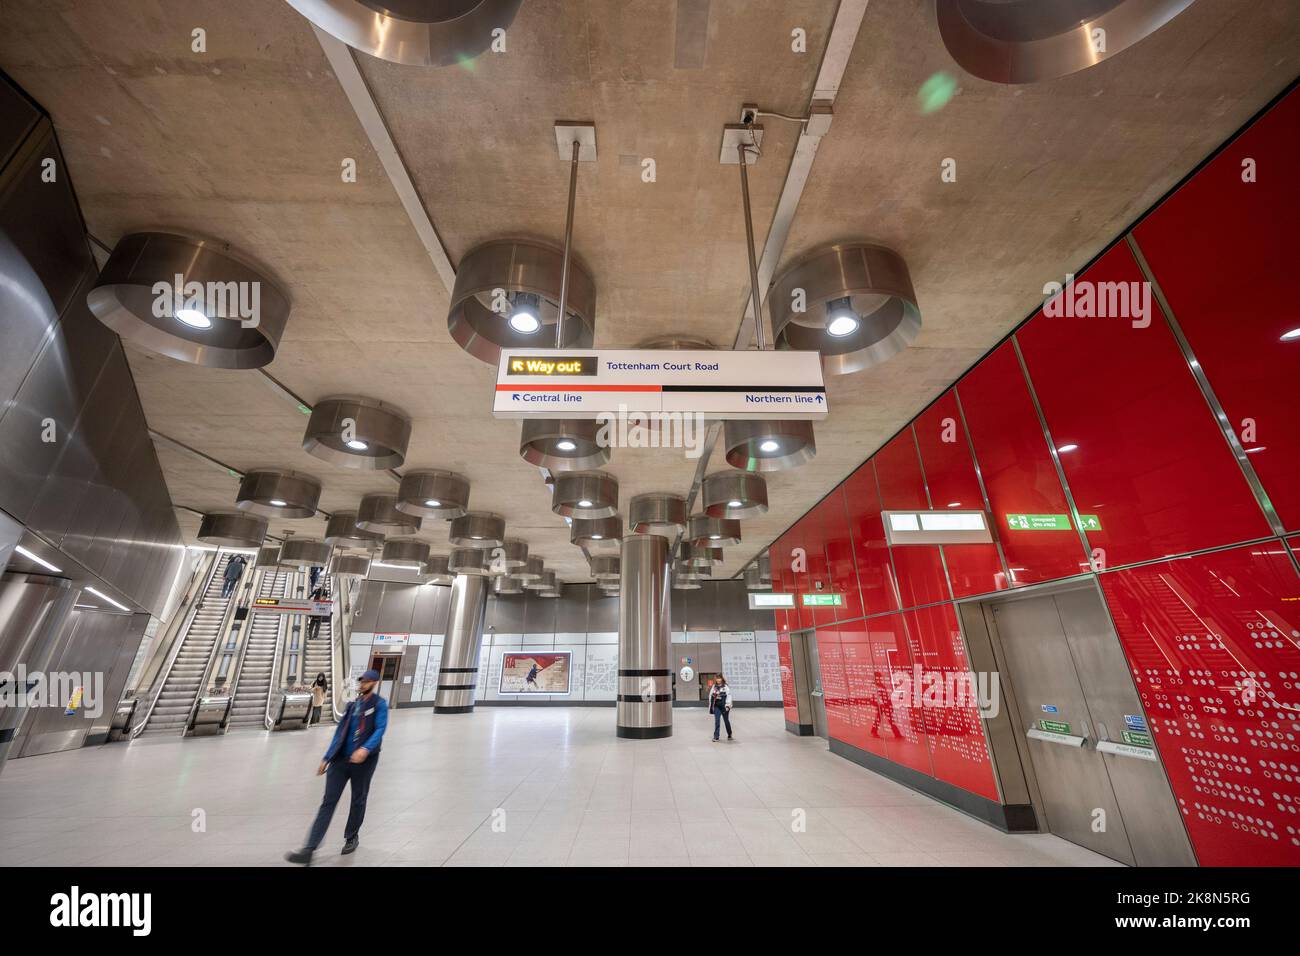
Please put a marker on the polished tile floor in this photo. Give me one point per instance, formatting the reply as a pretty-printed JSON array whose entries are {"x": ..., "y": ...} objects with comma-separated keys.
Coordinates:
[{"x": 504, "y": 786}]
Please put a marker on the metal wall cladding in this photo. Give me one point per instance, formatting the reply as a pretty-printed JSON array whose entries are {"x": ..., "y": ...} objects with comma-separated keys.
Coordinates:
[{"x": 96, "y": 490}]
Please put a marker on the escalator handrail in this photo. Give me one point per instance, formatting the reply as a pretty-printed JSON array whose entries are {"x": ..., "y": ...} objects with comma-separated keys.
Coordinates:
[
  {"x": 182, "y": 637},
  {"x": 223, "y": 629},
  {"x": 277, "y": 679},
  {"x": 340, "y": 639}
]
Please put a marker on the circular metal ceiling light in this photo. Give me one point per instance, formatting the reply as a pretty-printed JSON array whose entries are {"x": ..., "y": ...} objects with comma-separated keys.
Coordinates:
[
  {"x": 278, "y": 494},
  {"x": 507, "y": 584},
  {"x": 699, "y": 555},
  {"x": 562, "y": 444},
  {"x": 686, "y": 583},
  {"x": 478, "y": 529},
  {"x": 360, "y": 433},
  {"x": 860, "y": 307},
  {"x": 658, "y": 513},
  {"x": 691, "y": 572},
  {"x": 710, "y": 532},
  {"x": 513, "y": 555},
  {"x": 305, "y": 553},
  {"x": 768, "y": 445},
  {"x": 486, "y": 297},
  {"x": 412, "y": 32},
  {"x": 585, "y": 494},
  {"x": 734, "y": 494},
  {"x": 547, "y": 582},
  {"x": 606, "y": 568},
  {"x": 433, "y": 494},
  {"x": 268, "y": 556},
  {"x": 586, "y": 532},
  {"x": 754, "y": 580},
  {"x": 341, "y": 531},
  {"x": 532, "y": 570},
  {"x": 555, "y": 592},
  {"x": 467, "y": 561},
  {"x": 190, "y": 299},
  {"x": 233, "y": 530},
  {"x": 349, "y": 565},
  {"x": 406, "y": 554},
  {"x": 437, "y": 570},
  {"x": 378, "y": 513},
  {"x": 1023, "y": 41}
]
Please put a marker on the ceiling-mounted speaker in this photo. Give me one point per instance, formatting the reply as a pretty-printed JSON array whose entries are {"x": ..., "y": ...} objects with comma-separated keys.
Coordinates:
[
  {"x": 413, "y": 32},
  {"x": 194, "y": 300}
]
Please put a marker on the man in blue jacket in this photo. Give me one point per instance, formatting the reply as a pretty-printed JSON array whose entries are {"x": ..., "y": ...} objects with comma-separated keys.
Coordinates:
[{"x": 352, "y": 756}]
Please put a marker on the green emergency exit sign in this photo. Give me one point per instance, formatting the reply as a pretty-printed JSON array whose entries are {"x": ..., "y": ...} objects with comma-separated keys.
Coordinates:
[
  {"x": 1089, "y": 522},
  {"x": 1054, "y": 726},
  {"x": 1136, "y": 739},
  {"x": 822, "y": 600},
  {"x": 1039, "y": 522}
]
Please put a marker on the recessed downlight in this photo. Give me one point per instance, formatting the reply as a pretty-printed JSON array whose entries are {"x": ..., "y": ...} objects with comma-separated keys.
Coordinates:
[
  {"x": 770, "y": 446},
  {"x": 433, "y": 503},
  {"x": 841, "y": 320},
  {"x": 357, "y": 445},
  {"x": 525, "y": 317},
  {"x": 193, "y": 318},
  {"x": 565, "y": 445},
  {"x": 584, "y": 503},
  {"x": 1291, "y": 336},
  {"x": 278, "y": 503}
]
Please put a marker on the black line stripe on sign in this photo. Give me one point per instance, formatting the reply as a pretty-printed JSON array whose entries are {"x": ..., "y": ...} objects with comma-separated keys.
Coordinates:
[{"x": 744, "y": 388}]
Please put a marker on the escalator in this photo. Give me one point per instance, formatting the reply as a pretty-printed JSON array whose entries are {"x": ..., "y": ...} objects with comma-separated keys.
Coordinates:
[
  {"x": 318, "y": 656},
  {"x": 171, "y": 708},
  {"x": 253, "y": 684}
]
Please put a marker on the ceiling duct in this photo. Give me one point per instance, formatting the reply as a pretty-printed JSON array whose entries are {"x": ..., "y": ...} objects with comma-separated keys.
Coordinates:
[
  {"x": 768, "y": 446},
  {"x": 190, "y": 299},
  {"x": 734, "y": 494},
  {"x": 341, "y": 531},
  {"x": 699, "y": 555},
  {"x": 606, "y": 568},
  {"x": 406, "y": 554},
  {"x": 413, "y": 32},
  {"x": 433, "y": 494},
  {"x": 278, "y": 494},
  {"x": 467, "y": 561},
  {"x": 507, "y": 296},
  {"x": 237, "y": 530},
  {"x": 507, "y": 584},
  {"x": 305, "y": 553},
  {"x": 586, "y": 532},
  {"x": 713, "y": 532},
  {"x": 562, "y": 444},
  {"x": 586, "y": 494},
  {"x": 478, "y": 529},
  {"x": 532, "y": 570},
  {"x": 658, "y": 513},
  {"x": 379, "y": 514},
  {"x": 860, "y": 307},
  {"x": 437, "y": 570},
  {"x": 358, "y": 433},
  {"x": 349, "y": 565},
  {"x": 1024, "y": 41}
]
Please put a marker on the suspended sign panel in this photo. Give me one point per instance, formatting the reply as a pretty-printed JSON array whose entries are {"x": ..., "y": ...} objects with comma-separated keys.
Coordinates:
[
  {"x": 546, "y": 383},
  {"x": 937, "y": 527}
]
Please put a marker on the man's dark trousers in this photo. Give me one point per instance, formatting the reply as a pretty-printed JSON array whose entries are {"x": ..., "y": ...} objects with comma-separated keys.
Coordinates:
[{"x": 340, "y": 772}]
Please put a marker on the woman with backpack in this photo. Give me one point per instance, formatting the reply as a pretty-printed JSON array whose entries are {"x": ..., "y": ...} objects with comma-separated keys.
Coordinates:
[{"x": 720, "y": 706}]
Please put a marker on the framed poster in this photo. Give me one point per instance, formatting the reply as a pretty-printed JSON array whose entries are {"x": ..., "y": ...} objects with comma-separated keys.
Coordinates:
[{"x": 533, "y": 672}]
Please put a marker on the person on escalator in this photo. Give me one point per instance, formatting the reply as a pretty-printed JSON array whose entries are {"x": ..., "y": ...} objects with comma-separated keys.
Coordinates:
[
  {"x": 319, "y": 688},
  {"x": 234, "y": 571},
  {"x": 351, "y": 758},
  {"x": 313, "y": 621}
]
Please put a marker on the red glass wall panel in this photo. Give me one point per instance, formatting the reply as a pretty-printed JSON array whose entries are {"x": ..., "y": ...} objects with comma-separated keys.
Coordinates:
[
  {"x": 950, "y": 476},
  {"x": 1138, "y": 443},
  {"x": 839, "y": 556},
  {"x": 1018, "y": 472},
  {"x": 919, "y": 567},
  {"x": 949, "y": 696},
  {"x": 778, "y": 558},
  {"x": 814, "y": 539},
  {"x": 868, "y": 699},
  {"x": 871, "y": 553},
  {"x": 834, "y": 686},
  {"x": 900, "y": 725},
  {"x": 1223, "y": 251},
  {"x": 1214, "y": 643}
]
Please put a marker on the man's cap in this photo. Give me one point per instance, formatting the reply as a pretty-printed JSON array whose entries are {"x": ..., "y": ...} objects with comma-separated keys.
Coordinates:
[{"x": 370, "y": 675}]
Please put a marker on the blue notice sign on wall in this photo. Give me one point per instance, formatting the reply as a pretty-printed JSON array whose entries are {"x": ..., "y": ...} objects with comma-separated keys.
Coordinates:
[
  {"x": 1050, "y": 709},
  {"x": 1135, "y": 722}
]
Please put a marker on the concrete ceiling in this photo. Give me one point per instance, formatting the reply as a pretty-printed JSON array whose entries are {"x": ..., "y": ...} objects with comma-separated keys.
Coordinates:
[{"x": 245, "y": 143}]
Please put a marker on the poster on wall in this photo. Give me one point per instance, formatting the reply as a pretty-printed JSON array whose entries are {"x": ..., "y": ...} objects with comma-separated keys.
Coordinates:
[{"x": 530, "y": 672}]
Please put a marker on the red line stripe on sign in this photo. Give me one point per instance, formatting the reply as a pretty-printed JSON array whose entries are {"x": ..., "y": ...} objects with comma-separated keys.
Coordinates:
[{"x": 579, "y": 388}]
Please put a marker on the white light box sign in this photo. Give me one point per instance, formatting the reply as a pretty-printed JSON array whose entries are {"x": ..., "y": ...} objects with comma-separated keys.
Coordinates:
[{"x": 937, "y": 527}]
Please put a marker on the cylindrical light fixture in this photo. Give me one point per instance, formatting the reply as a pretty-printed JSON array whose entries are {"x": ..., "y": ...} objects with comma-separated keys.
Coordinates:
[
  {"x": 349, "y": 565},
  {"x": 860, "y": 308},
  {"x": 193, "y": 300},
  {"x": 657, "y": 512},
  {"x": 699, "y": 555},
  {"x": 341, "y": 531},
  {"x": 406, "y": 554},
  {"x": 562, "y": 444},
  {"x": 768, "y": 445},
  {"x": 507, "y": 584},
  {"x": 232, "y": 530},
  {"x": 734, "y": 494},
  {"x": 378, "y": 513},
  {"x": 486, "y": 297},
  {"x": 278, "y": 494},
  {"x": 437, "y": 570},
  {"x": 556, "y": 592},
  {"x": 433, "y": 494},
  {"x": 754, "y": 580},
  {"x": 585, "y": 494},
  {"x": 305, "y": 553},
  {"x": 681, "y": 583},
  {"x": 467, "y": 561},
  {"x": 358, "y": 433},
  {"x": 268, "y": 556},
  {"x": 514, "y": 554},
  {"x": 713, "y": 532},
  {"x": 531, "y": 571},
  {"x": 547, "y": 581},
  {"x": 605, "y": 568},
  {"x": 586, "y": 531},
  {"x": 478, "y": 529}
]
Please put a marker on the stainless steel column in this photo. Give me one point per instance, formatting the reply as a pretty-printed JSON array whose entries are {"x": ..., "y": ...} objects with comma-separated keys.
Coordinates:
[
  {"x": 459, "y": 671},
  {"x": 645, "y": 692}
]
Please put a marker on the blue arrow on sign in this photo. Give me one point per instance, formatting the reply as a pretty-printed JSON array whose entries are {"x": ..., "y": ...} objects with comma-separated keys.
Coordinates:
[{"x": 515, "y": 396}]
